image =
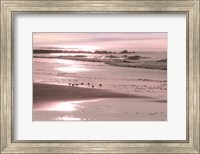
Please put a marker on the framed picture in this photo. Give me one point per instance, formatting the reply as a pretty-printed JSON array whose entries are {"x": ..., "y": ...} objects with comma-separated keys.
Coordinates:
[
  {"x": 100, "y": 76},
  {"x": 73, "y": 80}
]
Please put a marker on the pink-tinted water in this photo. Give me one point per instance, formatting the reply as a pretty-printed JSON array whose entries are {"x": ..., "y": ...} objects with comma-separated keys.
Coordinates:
[{"x": 146, "y": 82}]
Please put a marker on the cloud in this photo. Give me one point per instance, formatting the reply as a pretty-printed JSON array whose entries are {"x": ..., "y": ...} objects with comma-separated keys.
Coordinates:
[{"x": 108, "y": 41}]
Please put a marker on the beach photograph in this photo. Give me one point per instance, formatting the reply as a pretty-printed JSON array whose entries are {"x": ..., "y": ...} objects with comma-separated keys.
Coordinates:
[{"x": 99, "y": 76}]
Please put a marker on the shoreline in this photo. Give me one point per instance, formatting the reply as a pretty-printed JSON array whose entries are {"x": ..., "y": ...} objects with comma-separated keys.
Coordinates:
[
  {"x": 126, "y": 80},
  {"x": 50, "y": 92}
]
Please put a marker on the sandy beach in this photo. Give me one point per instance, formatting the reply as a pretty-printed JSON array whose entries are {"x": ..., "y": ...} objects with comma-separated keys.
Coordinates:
[{"x": 59, "y": 102}]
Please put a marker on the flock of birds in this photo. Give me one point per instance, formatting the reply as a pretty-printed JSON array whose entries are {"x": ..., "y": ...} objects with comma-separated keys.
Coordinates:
[{"x": 72, "y": 84}]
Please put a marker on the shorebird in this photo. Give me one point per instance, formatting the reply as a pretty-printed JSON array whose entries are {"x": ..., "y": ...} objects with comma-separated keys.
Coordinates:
[
  {"x": 69, "y": 84},
  {"x": 76, "y": 84},
  {"x": 92, "y": 86},
  {"x": 81, "y": 83},
  {"x": 100, "y": 85},
  {"x": 72, "y": 84}
]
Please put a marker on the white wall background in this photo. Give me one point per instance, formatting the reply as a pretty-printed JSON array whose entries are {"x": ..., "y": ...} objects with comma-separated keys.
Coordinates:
[{"x": 173, "y": 129}]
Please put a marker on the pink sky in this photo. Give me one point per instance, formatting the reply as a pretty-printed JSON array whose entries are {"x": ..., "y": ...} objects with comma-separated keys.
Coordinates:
[{"x": 89, "y": 41}]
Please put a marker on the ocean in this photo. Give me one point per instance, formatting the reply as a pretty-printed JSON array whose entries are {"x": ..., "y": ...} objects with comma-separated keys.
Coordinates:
[{"x": 141, "y": 73}]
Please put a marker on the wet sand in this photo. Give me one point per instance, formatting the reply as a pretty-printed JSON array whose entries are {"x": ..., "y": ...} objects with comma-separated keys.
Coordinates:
[
  {"x": 59, "y": 102},
  {"x": 51, "y": 92}
]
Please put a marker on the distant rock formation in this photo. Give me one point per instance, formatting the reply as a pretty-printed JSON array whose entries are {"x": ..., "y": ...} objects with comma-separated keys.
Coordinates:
[
  {"x": 124, "y": 51},
  {"x": 101, "y": 52}
]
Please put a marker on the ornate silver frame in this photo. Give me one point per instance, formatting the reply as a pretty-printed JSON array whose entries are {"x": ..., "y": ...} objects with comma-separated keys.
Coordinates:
[{"x": 8, "y": 10}]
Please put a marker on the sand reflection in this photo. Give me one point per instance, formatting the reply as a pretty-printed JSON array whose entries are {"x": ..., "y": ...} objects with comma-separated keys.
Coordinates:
[
  {"x": 68, "y": 105},
  {"x": 106, "y": 109},
  {"x": 65, "y": 106},
  {"x": 67, "y": 118}
]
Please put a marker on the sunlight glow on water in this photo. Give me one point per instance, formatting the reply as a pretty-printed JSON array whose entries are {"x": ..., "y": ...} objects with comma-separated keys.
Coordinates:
[
  {"x": 54, "y": 60},
  {"x": 72, "y": 69}
]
